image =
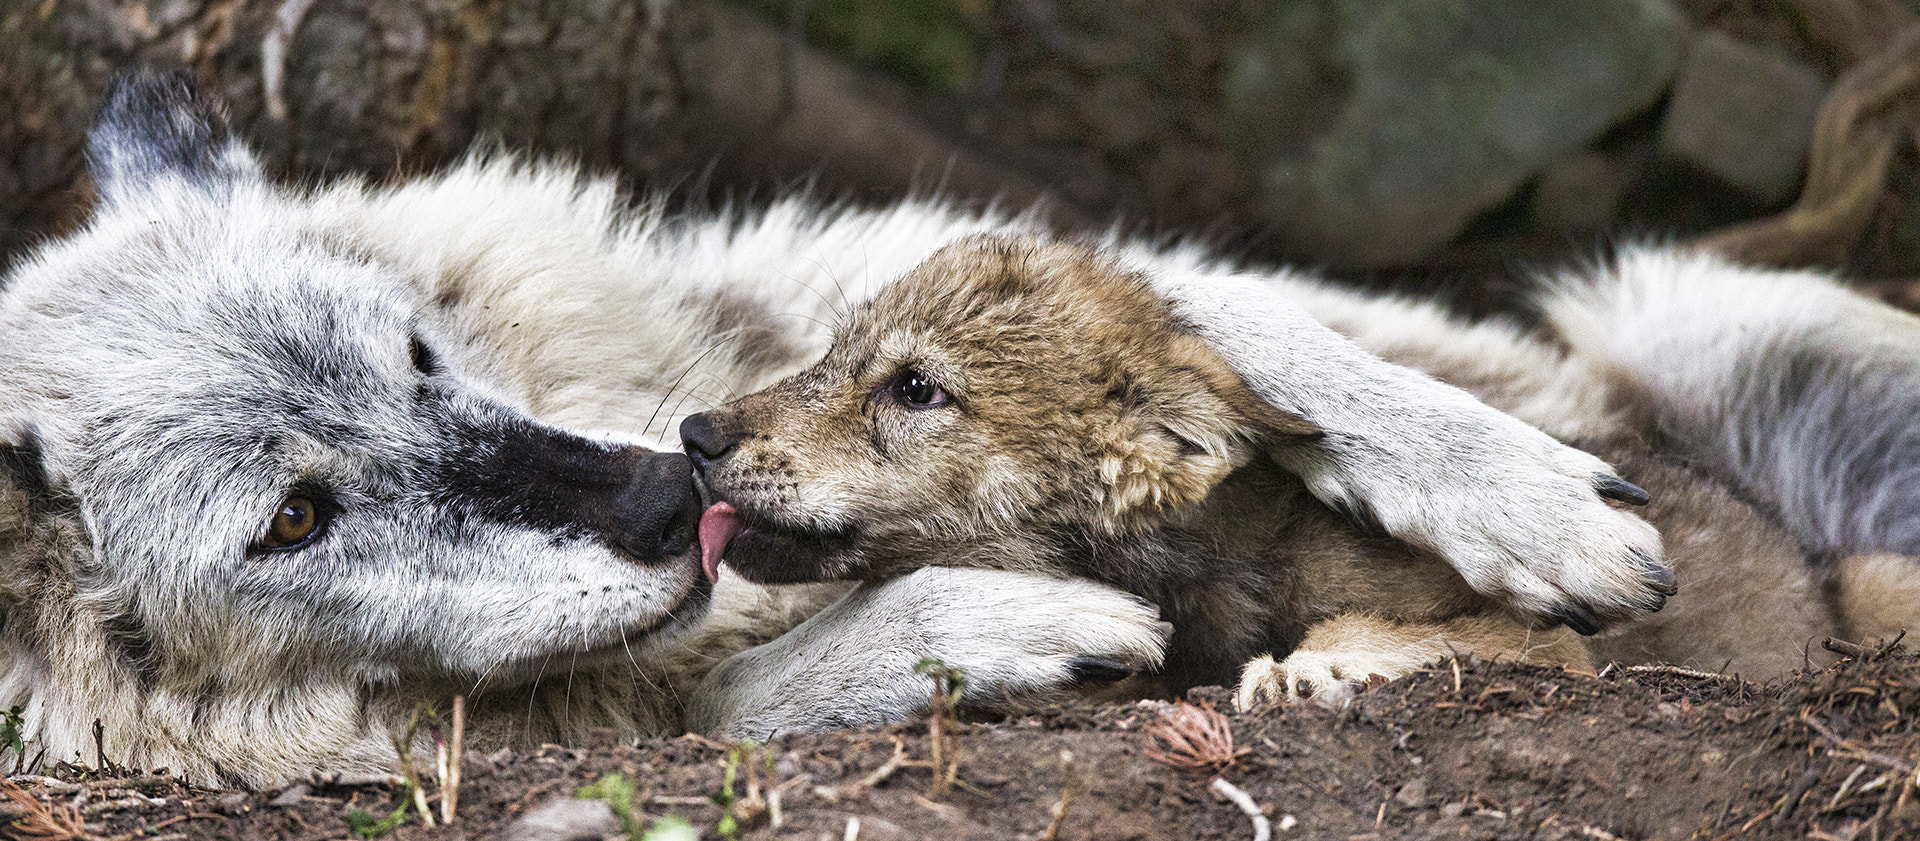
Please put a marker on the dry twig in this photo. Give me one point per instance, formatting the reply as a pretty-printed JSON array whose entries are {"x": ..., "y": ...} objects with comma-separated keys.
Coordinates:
[
  {"x": 894, "y": 763},
  {"x": 1861, "y": 652},
  {"x": 1854, "y": 750},
  {"x": 1070, "y": 793},
  {"x": 949, "y": 684},
  {"x": 450, "y": 768},
  {"x": 1682, "y": 671},
  {"x": 1262, "y": 830}
]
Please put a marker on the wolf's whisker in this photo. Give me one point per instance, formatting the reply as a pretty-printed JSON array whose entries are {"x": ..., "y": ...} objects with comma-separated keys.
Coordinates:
[{"x": 677, "y": 380}]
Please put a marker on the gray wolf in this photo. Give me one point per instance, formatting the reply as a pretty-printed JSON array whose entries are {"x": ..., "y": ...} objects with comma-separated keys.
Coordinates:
[
  {"x": 283, "y": 465},
  {"x": 1024, "y": 404}
]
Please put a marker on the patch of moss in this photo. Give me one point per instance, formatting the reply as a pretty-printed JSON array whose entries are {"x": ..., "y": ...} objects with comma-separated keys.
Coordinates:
[{"x": 929, "y": 43}]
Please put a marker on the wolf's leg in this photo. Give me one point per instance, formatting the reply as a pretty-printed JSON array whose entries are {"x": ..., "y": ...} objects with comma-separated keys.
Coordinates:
[
  {"x": 1015, "y": 637},
  {"x": 1521, "y": 516},
  {"x": 1339, "y": 655}
]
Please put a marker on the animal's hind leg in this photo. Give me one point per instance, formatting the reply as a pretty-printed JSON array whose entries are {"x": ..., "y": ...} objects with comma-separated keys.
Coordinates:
[
  {"x": 1341, "y": 654},
  {"x": 1748, "y": 602},
  {"x": 1876, "y": 596}
]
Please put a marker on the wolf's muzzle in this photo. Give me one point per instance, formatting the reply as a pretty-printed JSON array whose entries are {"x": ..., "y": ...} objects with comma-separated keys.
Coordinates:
[
  {"x": 642, "y": 503},
  {"x": 655, "y": 516}
]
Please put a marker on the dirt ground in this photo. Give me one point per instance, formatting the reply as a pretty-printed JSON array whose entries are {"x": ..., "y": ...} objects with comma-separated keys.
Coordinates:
[{"x": 1471, "y": 751}]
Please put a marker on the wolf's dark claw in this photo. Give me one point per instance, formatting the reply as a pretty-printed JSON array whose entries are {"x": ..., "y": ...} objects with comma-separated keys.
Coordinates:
[
  {"x": 1658, "y": 571},
  {"x": 1579, "y": 619},
  {"x": 1097, "y": 670},
  {"x": 1616, "y": 488}
]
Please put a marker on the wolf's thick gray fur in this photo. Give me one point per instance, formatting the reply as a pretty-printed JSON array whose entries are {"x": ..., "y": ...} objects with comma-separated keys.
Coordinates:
[{"x": 410, "y": 360}]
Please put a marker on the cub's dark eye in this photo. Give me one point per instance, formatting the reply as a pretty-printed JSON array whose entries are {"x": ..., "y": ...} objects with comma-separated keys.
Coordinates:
[
  {"x": 919, "y": 392},
  {"x": 296, "y": 524}
]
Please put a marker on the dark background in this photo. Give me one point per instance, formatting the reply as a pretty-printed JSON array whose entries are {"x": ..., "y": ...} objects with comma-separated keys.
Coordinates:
[{"x": 1443, "y": 146}]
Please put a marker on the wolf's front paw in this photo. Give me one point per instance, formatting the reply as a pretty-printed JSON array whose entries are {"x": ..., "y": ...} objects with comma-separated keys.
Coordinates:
[
  {"x": 1542, "y": 535},
  {"x": 1524, "y": 518},
  {"x": 1327, "y": 678},
  {"x": 1020, "y": 638},
  {"x": 1015, "y": 638}
]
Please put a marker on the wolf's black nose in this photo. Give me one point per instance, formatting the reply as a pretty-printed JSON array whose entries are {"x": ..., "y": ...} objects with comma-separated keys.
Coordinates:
[
  {"x": 659, "y": 510},
  {"x": 703, "y": 438}
]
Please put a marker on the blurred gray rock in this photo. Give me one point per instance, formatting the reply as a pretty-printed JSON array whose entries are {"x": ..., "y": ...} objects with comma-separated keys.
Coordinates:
[
  {"x": 1582, "y": 193},
  {"x": 1743, "y": 114},
  {"x": 1379, "y": 128}
]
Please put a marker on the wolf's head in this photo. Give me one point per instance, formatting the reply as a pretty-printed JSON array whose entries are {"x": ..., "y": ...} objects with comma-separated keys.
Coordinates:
[
  {"x": 1003, "y": 400},
  {"x": 241, "y": 450}
]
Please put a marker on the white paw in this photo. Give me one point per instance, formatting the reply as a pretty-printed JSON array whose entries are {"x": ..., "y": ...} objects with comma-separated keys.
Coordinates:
[
  {"x": 1524, "y": 518},
  {"x": 1023, "y": 637},
  {"x": 1521, "y": 516},
  {"x": 1327, "y": 678},
  {"x": 1016, "y": 639},
  {"x": 1547, "y": 540}
]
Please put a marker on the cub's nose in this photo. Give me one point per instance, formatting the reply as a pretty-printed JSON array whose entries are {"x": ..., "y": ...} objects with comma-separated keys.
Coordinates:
[
  {"x": 659, "y": 509},
  {"x": 704, "y": 438}
]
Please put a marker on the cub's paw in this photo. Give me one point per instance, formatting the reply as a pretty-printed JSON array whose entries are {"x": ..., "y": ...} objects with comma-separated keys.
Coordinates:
[{"x": 1330, "y": 679}]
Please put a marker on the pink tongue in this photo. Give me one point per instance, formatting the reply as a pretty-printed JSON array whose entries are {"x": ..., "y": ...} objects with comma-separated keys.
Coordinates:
[{"x": 718, "y": 524}]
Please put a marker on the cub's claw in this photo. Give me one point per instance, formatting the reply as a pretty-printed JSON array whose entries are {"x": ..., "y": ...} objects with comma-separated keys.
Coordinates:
[{"x": 1303, "y": 676}]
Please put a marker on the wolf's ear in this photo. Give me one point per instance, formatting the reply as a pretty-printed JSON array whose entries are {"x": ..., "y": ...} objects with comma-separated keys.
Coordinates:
[
  {"x": 159, "y": 127},
  {"x": 22, "y": 467},
  {"x": 1182, "y": 431}
]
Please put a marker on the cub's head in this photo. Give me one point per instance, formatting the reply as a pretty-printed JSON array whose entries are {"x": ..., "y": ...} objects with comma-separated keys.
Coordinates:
[{"x": 999, "y": 405}]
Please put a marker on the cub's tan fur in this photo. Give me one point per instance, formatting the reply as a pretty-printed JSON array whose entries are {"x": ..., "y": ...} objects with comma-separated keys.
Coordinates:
[
  {"x": 1079, "y": 429},
  {"x": 1021, "y": 404}
]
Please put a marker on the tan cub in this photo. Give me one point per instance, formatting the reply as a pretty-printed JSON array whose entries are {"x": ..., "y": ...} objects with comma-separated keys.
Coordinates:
[{"x": 1029, "y": 405}]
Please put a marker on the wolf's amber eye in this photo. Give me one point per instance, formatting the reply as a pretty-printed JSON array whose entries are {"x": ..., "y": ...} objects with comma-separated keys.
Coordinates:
[
  {"x": 294, "y": 525},
  {"x": 919, "y": 392}
]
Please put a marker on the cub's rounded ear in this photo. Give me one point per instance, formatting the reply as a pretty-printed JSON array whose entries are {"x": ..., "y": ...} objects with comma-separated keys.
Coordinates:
[
  {"x": 157, "y": 128},
  {"x": 1243, "y": 414},
  {"x": 1186, "y": 426}
]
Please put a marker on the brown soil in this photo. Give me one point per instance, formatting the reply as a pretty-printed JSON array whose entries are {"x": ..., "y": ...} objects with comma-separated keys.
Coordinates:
[{"x": 1482, "y": 751}]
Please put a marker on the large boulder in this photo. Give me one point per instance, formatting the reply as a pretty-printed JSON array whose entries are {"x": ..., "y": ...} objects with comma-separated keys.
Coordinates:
[
  {"x": 1744, "y": 115},
  {"x": 1379, "y": 128}
]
